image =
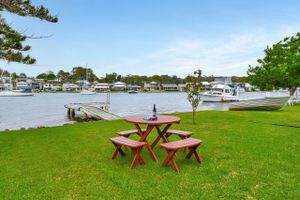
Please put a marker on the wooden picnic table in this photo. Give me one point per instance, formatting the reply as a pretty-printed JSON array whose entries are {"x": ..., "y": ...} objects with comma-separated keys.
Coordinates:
[{"x": 167, "y": 121}]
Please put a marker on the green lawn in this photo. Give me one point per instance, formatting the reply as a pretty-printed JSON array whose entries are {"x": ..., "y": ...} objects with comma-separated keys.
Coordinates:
[{"x": 245, "y": 156}]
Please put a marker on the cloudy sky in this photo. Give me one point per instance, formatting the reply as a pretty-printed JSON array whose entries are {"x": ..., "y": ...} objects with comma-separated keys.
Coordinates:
[{"x": 149, "y": 37}]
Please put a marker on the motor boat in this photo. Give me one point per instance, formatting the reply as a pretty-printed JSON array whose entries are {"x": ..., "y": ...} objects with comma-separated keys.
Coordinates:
[
  {"x": 220, "y": 93},
  {"x": 266, "y": 103},
  {"x": 15, "y": 93},
  {"x": 296, "y": 97},
  {"x": 132, "y": 91},
  {"x": 87, "y": 92},
  {"x": 20, "y": 92}
]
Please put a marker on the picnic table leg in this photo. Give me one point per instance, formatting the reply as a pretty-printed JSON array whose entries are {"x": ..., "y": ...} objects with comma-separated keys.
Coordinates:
[
  {"x": 169, "y": 158},
  {"x": 143, "y": 138},
  {"x": 140, "y": 132},
  {"x": 140, "y": 159},
  {"x": 193, "y": 150},
  {"x": 161, "y": 134},
  {"x": 137, "y": 158},
  {"x": 117, "y": 150}
]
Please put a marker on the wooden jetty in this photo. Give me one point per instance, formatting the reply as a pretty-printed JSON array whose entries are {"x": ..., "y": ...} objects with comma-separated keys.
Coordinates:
[{"x": 96, "y": 110}]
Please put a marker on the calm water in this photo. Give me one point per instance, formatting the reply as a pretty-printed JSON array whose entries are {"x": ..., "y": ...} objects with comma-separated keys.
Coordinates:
[{"x": 47, "y": 109}]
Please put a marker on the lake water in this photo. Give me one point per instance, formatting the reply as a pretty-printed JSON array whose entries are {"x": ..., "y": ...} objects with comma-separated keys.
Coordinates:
[{"x": 47, "y": 109}]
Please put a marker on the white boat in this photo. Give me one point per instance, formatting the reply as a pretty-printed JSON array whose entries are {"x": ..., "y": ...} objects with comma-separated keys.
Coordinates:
[
  {"x": 220, "y": 93},
  {"x": 266, "y": 103},
  {"x": 87, "y": 92},
  {"x": 15, "y": 94},
  {"x": 8, "y": 92},
  {"x": 22, "y": 85},
  {"x": 296, "y": 97}
]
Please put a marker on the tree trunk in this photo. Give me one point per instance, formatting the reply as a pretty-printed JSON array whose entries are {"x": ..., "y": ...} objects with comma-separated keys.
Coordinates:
[
  {"x": 292, "y": 90},
  {"x": 194, "y": 113}
]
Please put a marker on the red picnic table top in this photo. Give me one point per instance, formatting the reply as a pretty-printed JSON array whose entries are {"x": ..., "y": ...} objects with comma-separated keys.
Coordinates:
[{"x": 161, "y": 119}]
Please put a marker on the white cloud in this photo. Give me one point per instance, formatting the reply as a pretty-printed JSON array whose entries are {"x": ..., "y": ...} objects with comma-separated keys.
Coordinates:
[{"x": 227, "y": 55}]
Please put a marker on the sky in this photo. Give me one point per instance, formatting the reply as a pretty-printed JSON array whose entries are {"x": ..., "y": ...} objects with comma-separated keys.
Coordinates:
[{"x": 148, "y": 37}]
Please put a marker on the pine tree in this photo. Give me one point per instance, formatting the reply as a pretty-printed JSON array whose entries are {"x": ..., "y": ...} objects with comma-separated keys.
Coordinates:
[{"x": 12, "y": 46}]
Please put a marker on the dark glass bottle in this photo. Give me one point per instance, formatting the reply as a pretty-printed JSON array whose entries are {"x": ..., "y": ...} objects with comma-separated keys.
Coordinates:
[{"x": 154, "y": 110}]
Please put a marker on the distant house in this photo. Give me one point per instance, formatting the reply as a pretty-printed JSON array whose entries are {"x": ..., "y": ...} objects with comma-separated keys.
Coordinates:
[
  {"x": 37, "y": 84},
  {"x": 50, "y": 87},
  {"x": 181, "y": 87},
  {"x": 119, "y": 86},
  {"x": 205, "y": 86},
  {"x": 69, "y": 87},
  {"x": 5, "y": 83},
  {"x": 153, "y": 86},
  {"x": 83, "y": 84},
  {"x": 4, "y": 80},
  {"x": 170, "y": 87},
  {"x": 249, "y": 87},
  {"x": 101, "y": 87}
]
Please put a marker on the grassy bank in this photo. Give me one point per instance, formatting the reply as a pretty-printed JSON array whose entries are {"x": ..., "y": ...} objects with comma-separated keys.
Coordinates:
[{"x": 247, "y": 155}]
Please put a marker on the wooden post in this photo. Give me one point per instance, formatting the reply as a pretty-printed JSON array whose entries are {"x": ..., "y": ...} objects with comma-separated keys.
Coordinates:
[
  {"x": 84, "y": 116},
  {"x": 72, "y": 112}
]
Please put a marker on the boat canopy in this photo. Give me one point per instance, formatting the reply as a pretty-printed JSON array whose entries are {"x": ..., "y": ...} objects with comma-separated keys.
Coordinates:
[{"x": 221, "y": 86}]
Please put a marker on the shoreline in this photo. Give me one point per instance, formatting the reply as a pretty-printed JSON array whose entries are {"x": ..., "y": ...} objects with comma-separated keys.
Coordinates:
[{"x": 93, "y": 120}]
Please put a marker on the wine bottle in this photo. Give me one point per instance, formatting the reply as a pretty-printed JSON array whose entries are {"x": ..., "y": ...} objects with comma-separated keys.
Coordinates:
[{"x": 154, "y": 110}]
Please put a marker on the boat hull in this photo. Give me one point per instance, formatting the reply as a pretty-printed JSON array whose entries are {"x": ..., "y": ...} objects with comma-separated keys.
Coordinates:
[
  {"x": 87, "y": 93},
  {"x": 268, "y": 103},
  {"x": 218, "y": 98},
  {"x": 15, "y": 94},
  {"x": 132, "y": 92}
]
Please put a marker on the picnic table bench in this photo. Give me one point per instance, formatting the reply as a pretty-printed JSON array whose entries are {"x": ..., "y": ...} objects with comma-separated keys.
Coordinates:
[
  {"x": 172, "y": 148},
  {"x": 136, "y": 147}
]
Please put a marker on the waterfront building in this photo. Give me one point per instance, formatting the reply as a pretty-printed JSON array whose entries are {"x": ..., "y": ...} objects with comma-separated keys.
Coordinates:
[
  {"x": 101, "y": 87},
  {"x": 70, "y": 87},
  {"x": 170, "y": 87},
  {"x": 83, "y": 84},
  {"x": 153, "y": 86},
  {"x": 48, "y": 87},
  {"x": 5, "y": 83},
  {"x": 37, "y": 84},
  {"x": 181, "y": 87}
]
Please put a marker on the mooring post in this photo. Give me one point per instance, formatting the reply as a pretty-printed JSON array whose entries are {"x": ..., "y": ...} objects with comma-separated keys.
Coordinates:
[
  {"x": 72, "y": 111},
  {"x": 84, "y": 116}
]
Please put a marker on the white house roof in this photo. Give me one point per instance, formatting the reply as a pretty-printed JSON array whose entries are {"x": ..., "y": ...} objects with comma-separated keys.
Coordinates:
[{"x": 102, "y": 84}]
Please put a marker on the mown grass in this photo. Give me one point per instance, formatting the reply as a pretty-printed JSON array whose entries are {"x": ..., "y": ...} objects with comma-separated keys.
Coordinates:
[{"x": 245, "y": 157}]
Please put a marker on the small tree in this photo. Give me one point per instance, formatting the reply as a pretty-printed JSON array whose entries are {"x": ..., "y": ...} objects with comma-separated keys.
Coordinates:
[{"x": 193, "y": 88}]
